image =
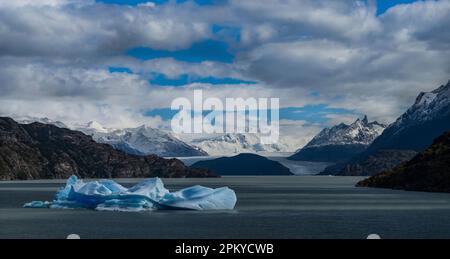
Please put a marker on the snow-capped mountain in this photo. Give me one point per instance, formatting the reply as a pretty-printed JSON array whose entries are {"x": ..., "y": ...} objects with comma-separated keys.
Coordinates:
[
  {"x": 340, "y": 142},
  {"x": 425, "y": 120},
  {"x": 94, "y": 127},
  {"x": 428, "y": 107},
  {"x": 141, "y": 141},
  {"x": 29, "y": 120},
  {"x": 229, "y": 144},
  {"x": 360, "y": 132},
  {"x": 415, "y": 130}
]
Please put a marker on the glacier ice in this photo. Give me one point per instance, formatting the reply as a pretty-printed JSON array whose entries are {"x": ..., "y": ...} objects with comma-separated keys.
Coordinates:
[{"x": 107, "y": 195}]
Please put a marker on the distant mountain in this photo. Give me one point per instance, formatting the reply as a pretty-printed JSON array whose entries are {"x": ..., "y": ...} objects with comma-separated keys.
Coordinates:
[
  {"x": 429, "y": 171},
  {"x": 341, "y": 142},
  {"x": 415, "y": 130},
  {"x": 141, "y": 141},
  {"x": 229, "y": 144},
  {"x": 43, "y": 151},
  {"x": 244, "y": 164},
  {"x": 29, "y": 120},
  {"x": 92, "y": 128}
]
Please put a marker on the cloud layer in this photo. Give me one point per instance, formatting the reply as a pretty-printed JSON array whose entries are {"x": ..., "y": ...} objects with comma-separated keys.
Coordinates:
[{"x": 55, "y": 56}]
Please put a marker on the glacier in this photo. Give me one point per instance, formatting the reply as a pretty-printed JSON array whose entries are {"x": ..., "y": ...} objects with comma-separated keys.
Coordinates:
[
  {"x": 150, "y": 194},
  {"x": 140, "y": 141}
]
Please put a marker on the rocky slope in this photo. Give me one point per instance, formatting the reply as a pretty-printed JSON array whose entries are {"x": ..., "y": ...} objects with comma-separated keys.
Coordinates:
[
  {"x": 341, "y": 142},
  {"x": 415, "y": 130},
  {"x": 429, "y": 171},
  {"x": 377, "y": 162},
  {"x": 41, "y": 151}
]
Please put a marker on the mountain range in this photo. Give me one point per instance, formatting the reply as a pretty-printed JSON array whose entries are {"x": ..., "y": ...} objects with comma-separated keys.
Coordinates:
[
  {"x": 44, "y": 151},
  {"x": 412, "y": 132},
  {"x": 229, "y": 144},
  {"x": 341, "y": 142},
  {"x": 362, "y": 148},
  {"x": 141, "y": 141},
  {"x": 30, "y": 120},
  {"x": 145, "y": 140}
]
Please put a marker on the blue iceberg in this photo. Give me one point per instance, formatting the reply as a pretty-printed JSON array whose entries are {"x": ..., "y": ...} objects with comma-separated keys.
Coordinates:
[{"x": 107, "y": 195}]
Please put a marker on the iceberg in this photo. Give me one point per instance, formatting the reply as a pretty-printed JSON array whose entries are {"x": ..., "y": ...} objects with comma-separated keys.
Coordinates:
[
  {"x": 37, "y": 204},
  {"x": 150, "y": 194}
]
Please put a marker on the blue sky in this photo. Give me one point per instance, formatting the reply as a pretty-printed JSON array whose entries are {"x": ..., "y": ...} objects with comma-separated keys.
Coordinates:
[
  {"x": 208, "y": 50},
  {"x": 184, "y": 79},
  {"x": 382, "y": 5}
]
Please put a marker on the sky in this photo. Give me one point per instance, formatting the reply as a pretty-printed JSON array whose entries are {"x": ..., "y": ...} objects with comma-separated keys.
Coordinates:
[{"x": 121, "y": 63}]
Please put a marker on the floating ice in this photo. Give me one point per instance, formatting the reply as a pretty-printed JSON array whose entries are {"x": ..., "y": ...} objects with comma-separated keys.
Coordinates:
[
  {"x": 107, "y": 195},
  {"x": 37, "y": 204}
]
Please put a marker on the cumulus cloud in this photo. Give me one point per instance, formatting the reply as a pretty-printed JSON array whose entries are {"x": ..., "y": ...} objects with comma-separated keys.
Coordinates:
[
  {"x": 62, "y": 28},
  {"x": 173, "y": 68},
  {"x": 430, "y": 20},
  {"x": 42, "y": 3},
  {"x": 55, "y": 54},
  {"x": 369, "y": 61},
  {"x": 312, "y": 18},
  {"x": 79, "y": 93}
]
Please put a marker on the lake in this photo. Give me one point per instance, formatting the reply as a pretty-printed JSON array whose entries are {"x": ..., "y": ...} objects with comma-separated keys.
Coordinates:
[{"x": 268, "y": 207}]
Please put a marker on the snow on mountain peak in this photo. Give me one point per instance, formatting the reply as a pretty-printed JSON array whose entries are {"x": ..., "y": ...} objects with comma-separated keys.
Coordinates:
[
  {"x": 360, "y": 132},
  {"x": 45, "y": 120},
  {"x": 96, "y": 126},
  {"x": 229, "y": 144},
  {"x": 142, "y": 140},
  {"x": 426, "y": 98},
  {"x": 428, "y": 106}
]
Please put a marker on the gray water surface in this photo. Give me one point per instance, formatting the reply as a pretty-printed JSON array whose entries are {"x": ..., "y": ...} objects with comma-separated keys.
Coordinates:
[{"x": 268, "y": 207}]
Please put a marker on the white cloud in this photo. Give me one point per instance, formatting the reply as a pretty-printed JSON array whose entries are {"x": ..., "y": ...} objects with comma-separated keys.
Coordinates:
[
  {"x": 54, "y": 56},
  {"x": 296, "y": 134},
  {"x": 336, "y": 19},
  {"x": 62, "y": 30},
  {"x": 425, "y": 21},
  {"x": 42, "y": 3},
  {"x": 369, "y": 62},
  {"x": 173, "y": 68}
]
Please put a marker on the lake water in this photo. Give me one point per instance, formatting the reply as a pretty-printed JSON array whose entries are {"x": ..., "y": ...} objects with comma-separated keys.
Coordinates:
[{"x": 268, "y": 207}]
